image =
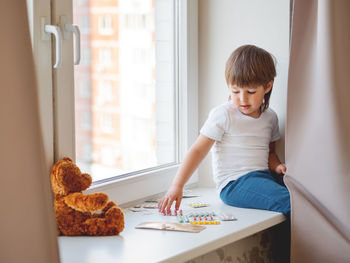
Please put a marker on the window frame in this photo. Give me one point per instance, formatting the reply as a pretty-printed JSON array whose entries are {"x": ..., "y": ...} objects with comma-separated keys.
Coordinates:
[{"x": 58, "y": 122}]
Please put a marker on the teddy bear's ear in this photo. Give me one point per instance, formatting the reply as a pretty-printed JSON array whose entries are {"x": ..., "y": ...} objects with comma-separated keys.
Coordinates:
[
  {"x": 67, "y": 159},
  {"x": 66, "y": 177}
]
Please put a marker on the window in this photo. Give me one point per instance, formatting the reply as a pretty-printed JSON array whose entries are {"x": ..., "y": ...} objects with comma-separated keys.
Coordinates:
[
  {"x": 85, "y": 24},
  {"x": 105, "y": 58},
  {"x": 106, "y": 123},
  {"x": 105, "y": 26},
  {"x": 146, "y": 128},
  {"x": 125, "y": 114},
  {"x": 84, "y": 89},
  {"x": 135, "y": 21},
  {"x": 85, "y": 56},
  {"x": 105, "y": 92},
  {"x": 86, "y": 123}
]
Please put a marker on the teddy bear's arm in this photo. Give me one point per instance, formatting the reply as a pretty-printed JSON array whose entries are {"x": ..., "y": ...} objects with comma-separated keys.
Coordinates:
[{"x": 86, "y": 202}]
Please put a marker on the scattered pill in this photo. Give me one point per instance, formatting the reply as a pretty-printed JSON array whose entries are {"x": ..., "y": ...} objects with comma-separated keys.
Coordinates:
[{"x": 180, "y": 219}]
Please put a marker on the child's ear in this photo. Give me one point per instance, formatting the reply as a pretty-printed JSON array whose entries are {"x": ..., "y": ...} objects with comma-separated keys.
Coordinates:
[{"x": 269, "y": 87}]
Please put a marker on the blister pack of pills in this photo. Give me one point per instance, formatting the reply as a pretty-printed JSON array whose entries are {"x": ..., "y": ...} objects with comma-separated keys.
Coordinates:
[
  {"x": 227, "y": 217},
  {"x": 197, "y": 205}
]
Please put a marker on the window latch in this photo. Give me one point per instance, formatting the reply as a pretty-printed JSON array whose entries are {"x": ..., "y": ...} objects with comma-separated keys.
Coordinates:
[{"x": 46, "y": 30}]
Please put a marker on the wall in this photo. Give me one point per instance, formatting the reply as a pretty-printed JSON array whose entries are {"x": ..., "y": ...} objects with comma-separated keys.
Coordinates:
[
  {"x": 267, "y": 246},
  {"x": 225, "y": 25}
]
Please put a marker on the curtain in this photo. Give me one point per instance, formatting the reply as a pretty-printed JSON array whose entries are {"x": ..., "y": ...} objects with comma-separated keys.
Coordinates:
[
  {"x": 318, "y": 131},
  {"x": 27, "y": 226}
]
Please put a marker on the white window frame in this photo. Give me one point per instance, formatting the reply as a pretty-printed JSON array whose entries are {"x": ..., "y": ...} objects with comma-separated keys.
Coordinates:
[{"x": 132, "y": 187}]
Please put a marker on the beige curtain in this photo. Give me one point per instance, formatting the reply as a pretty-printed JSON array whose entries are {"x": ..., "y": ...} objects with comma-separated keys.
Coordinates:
[
  {"x": 27, "y": 227},
  {"x": 318, "y": 131}
]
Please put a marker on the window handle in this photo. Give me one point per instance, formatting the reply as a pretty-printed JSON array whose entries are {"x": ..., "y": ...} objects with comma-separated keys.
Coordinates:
[
  {"x": 76, "y": 32},
  {"x": 56, "y": 31}
]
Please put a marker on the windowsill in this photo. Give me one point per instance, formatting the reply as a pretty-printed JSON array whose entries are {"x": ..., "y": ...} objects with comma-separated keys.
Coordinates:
[{"x": 139, "y": 245}]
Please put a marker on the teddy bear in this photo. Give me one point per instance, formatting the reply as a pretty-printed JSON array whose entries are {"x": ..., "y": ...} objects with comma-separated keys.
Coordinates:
[{"x": 76, "y": 213}]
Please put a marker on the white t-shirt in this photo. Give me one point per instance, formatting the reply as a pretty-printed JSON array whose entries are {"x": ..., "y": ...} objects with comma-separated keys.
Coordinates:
[{"x": 241, "y": 142}]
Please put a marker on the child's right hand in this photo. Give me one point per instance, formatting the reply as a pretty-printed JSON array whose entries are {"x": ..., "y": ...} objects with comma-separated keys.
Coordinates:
[
  {"x": 173, "y": 194},
  {"x": 281, "y": 168}
]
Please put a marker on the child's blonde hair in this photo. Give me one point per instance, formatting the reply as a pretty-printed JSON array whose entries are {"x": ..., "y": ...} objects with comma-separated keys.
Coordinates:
[{"x": 249, "y": 65}]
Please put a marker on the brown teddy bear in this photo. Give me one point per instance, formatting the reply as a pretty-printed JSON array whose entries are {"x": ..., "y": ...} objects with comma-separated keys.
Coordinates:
[{"x": 73, "y": 209}]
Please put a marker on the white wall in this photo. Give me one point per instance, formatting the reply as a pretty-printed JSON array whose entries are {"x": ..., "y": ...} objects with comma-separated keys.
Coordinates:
[{"x": 225, "y": 25}]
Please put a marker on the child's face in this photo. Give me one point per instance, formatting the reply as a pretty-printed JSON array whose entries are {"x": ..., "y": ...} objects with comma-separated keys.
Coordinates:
[{"x": 249, "y": 99}]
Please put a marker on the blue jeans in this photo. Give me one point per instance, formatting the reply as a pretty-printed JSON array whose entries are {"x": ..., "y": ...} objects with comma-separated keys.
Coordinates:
[{"x": 260, "y": 190}]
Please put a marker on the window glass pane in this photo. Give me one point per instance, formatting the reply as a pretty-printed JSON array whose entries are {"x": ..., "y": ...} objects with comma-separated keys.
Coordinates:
[{"x": 125, "y": 86}]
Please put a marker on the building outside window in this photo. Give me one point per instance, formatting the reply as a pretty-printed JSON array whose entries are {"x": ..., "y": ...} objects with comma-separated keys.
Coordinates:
[
  {"x": 129, "y": 87},
  {"x": 105, "y": 26}
]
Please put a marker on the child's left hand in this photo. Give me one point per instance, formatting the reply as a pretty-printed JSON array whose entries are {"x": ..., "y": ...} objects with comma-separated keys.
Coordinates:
[{"x": 281, "y": 168}]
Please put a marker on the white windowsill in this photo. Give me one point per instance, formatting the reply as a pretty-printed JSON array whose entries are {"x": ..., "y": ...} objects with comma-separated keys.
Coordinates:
[{"x": 138, "y": 245}]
